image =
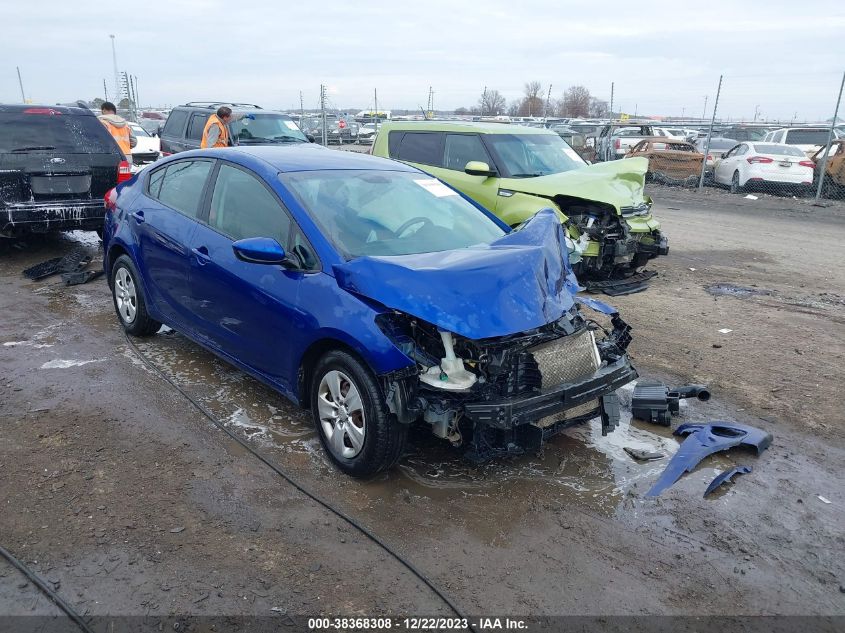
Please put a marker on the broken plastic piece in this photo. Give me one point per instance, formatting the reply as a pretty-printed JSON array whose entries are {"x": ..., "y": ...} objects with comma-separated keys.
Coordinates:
[
  {"x": 73, "y": 261},
  {"x": 725, "y": 476},
  {"x": 81, "y": 277},
  {"x": 642, "y": 454},
  {"x": 624, "y": 286},
  {"x": 703, "y": 440}
]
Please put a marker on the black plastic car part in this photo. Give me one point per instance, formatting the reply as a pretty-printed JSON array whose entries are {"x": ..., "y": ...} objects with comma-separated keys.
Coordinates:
[
  {"x": 81, "y": 277},
  {"x": 656, "y": 403},
  {"x": 72, "y": 262}
]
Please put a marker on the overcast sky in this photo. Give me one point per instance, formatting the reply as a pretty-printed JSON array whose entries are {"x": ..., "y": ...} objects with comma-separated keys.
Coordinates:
[{"x": 785, "y": 56}]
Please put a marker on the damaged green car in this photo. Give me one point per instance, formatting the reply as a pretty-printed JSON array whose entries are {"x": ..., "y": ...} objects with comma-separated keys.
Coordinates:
[{"x": 515, "y": 171}]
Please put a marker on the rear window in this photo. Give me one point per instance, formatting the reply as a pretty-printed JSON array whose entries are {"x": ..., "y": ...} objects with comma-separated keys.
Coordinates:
[
  {"x": 717, "y": 143},
  {"x": 807, "y": 137},
  {"x": 23, "y": 132},
  {"x": 781, "y": 150},
  {"x": 420, "y": 147},
  {"x": 175, "y": 123}
]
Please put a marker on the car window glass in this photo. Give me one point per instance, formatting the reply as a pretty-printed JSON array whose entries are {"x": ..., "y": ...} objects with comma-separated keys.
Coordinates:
[
  {"x": 196, "y": 126},
  {"x": 383, "y": 213},
  {"x": 183, "y": 184},
  {"x": 175, "y": 123},
  {"x": 242, "y": 207},
  {"x": 463, "y": 148},
  {"x": 420, "y": 147},
  {"x": 155, "y": 181}
]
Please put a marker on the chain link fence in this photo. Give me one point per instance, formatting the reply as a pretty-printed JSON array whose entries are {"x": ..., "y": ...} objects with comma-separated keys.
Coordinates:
[{"x": 760, "y": 155}]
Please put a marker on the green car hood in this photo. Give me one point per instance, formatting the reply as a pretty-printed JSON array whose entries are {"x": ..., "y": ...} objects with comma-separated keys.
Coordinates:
[{"x": 619, "y": 183}]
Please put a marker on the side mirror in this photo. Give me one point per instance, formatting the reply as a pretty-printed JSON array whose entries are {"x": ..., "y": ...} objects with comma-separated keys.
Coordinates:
[
  {"x": 261, "y": 250},
  {"x": 477, "y": 168},
  {"x": 310, "y": 138}
]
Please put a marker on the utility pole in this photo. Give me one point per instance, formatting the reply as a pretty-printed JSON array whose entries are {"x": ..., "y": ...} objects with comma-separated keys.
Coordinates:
[
  {"x": 546, "y": 105},
  {"x": 116, "y": 77},
  {"x": 105, "y": 90},
  {"x": 709, "y": 134},
  {"x": 20, "y": 83},
  {"x": 323, "y": 114},
  {"x": 375, "y": 105},
  {"x": 704, "y": 111},
  {"x": 829, "y": 140},
  {"x": 301, "y": 110},
  {"x": 430, "y": 103},
  {"x": 135, "y": 90},
  {"x": 483, "y": 100}
]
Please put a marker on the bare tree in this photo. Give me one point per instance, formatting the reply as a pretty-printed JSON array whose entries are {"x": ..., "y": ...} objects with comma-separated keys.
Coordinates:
[
  {"x": 598, "y": 108},
  {"x": 532, "y": 104},
  {"x": 514, "y": 107},
  {"x": 576, "y": 101},
  {"x": 492, "y": 102}
]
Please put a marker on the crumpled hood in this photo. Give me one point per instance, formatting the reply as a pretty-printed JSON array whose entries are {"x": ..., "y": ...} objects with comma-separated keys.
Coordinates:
[
  {"x": 115, "y": 119},
  {"x": 519, "y": 282},
  {"x": 619, "y": 183}
]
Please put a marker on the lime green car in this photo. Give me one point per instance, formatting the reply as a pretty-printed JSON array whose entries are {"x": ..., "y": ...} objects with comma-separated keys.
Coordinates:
[{"x": 515, "y": 171}]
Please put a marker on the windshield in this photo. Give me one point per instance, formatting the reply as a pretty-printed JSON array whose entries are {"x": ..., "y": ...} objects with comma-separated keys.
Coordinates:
[
  {"x": 139, "y": 131},
  {"x": 36, "y": 129},
  {"x": 807, "y": 137},
  {"x": 529, "y": 155},
  {"x": 381, "y": 213},
  {"x": 779, "y": 150},
  {"x": 263, "y": 128}
]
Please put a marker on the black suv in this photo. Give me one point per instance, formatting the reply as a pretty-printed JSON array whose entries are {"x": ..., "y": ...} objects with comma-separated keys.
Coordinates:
[
  {"x": 56, "y": 165},
  {"x": 251, "y": 125}
]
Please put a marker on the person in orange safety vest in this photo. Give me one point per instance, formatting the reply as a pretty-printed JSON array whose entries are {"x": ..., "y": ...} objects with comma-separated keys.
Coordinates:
[
  {"x": 119, "y": 128},
  {"x": 216, "y": 132}
]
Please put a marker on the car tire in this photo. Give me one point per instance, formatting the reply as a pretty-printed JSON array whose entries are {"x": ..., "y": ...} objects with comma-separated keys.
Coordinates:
[
  {"x": 735, "y": 186},
  {"x": 356, "y": 429},
  {"x": 128, "y": 299}
]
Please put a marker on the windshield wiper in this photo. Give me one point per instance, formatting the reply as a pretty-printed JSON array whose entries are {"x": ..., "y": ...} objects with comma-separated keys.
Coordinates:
[
  {"x": 34, "y": 147},
  {"x": 533, "y": 175},
  {"x": 288, "y": 139}
]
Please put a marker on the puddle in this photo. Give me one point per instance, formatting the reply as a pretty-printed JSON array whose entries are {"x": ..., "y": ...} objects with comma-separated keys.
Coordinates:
[{"x": 741, "y": 292}]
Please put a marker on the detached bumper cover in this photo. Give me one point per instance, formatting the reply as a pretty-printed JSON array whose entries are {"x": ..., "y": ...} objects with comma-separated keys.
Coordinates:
[
  {"x": 513, "y": 412},
  {"x": 44, "y": 216}
]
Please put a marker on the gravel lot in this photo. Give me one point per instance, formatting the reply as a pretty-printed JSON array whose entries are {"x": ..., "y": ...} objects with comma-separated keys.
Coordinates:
[{"x": 119, "y": 492}]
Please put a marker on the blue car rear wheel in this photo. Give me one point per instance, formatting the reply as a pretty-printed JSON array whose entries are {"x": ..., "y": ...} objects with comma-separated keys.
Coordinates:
[
  {"x": 356, "y": 430},
  {"x": 129, "y": 299}
]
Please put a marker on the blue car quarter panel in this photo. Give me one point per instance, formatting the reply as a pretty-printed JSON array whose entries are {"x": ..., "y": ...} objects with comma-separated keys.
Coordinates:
[{"x": 519, "y": 282}]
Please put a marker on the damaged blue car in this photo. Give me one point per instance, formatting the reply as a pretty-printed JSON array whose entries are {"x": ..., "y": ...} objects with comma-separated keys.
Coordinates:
[{"x": 367, "y": 291}]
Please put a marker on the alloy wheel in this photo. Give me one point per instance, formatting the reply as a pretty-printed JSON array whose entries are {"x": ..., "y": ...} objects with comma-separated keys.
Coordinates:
[
  {"x": 341, "y": 412},
  {"x": 125, "y": 295}
]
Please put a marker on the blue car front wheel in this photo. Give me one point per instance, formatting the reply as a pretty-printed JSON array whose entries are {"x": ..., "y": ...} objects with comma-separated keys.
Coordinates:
[{"x": 356, "y": 430}]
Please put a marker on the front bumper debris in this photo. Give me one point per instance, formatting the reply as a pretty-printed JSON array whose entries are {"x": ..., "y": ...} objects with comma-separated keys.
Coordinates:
[
  {"x": 519, "y": 410},
  {"x": 622, "y": 286},
  {"x": 40, "y": 217}
]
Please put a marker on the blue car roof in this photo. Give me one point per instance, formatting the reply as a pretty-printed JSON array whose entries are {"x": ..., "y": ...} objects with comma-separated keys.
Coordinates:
[{"x": 310, "y": 157}]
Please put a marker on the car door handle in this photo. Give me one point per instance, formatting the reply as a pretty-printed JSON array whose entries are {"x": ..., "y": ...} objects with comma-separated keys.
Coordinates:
[
  {"x": 201, "y": 253},
  {"x": 139, "y": 216}
]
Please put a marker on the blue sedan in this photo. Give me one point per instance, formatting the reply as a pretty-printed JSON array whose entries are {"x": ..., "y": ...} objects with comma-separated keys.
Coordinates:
[{"x": 368, "y": 292}]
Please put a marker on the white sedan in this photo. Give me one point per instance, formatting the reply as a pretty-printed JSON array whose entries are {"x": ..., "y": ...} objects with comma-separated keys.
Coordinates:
[
  {"x": 762, "y": 165},
  {"x": 148, "y": 148}
]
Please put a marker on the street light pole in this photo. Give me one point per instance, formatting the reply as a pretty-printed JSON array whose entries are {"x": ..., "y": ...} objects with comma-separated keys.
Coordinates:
[
  {"x": 116, "y": 77},
  {"x": 829, "y": 140}
]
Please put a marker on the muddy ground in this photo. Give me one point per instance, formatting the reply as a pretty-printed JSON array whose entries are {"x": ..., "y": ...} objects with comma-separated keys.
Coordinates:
[{"x": 121, "y": 494}]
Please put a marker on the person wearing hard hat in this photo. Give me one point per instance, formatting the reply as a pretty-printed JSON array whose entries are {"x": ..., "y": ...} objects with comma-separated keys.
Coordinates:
[{"x": 119, "y": 128}]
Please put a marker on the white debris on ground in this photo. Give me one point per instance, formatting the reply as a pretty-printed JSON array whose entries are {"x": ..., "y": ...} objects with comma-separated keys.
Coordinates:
[{"x": 65, "y": 364}]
